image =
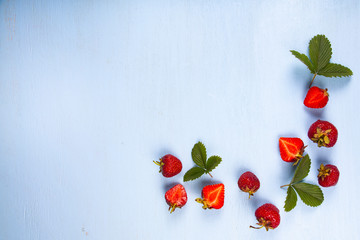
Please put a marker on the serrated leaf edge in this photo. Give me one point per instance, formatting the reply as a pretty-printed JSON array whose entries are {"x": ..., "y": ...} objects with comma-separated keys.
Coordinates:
[
  {"x": 322, "y": 199},
  {"x": 351, "y": 72},
  {"x": 316, "y": 64},
  {"x": 193, "y": 178},
  {"x": 309, "y": 64},
  {"x": 202, "y": 159},
  {"x": 300, "y": 165},
  {"x": 209, "y": 170},
  {"x": 287, "y": 199}
]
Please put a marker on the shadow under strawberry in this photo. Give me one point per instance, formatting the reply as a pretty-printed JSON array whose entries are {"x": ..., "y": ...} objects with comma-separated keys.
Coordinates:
[
  {"x": 301, "y": 78},
  {"x": 257, "y": 201},
  {"x": 333, "y": 84},
  {"x": 240, "y": 171},
  {"x": 321, "y": 160},
  {"x": 288, "y": 171},
  {"x": 163, "y": 152},
  {"x": 317, "y": 113}
]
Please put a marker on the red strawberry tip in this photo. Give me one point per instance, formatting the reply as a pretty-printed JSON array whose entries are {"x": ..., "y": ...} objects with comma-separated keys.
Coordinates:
[
  {"x": 323, "y": 172},
  {"x": 263, "y": 223}
]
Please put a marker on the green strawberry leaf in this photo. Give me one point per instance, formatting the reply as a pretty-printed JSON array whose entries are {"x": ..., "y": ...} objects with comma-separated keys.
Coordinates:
[
  {"x": 310, "y": 194},
  {"x": 319, "y": 63},
  {"x": 212, "y": 163},
  {"x": 193, "y": 174},
  {"x": 291, "y": 199},
  {"x": 204, "y": 165},
  {"x": 320, "y": 52},
  {"x": 335, "y": 70},
  {"x": 198, "y": 154},
  {"x": 303, "y": 58},
  {"x": 302, "y": 169}
]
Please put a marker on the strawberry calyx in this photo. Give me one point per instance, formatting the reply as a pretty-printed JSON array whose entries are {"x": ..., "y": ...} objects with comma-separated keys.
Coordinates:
[
  {"x": 263, "y": 223},
  {"x": 204, "y": 202},
  {"x": 325, "y": 91},
  {"x": 299, "y": 155},
  {"x": 250, "y": 191},
  {"x": 321, "y": 137},
  {"x": 159, "y": 163},
  {"x": 323, "y": 172},
  {"x": 172, "y": 207}
]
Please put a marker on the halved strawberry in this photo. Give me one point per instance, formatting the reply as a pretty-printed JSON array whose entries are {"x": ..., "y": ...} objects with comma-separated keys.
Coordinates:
[
  {"x": 212, "y": 196},
  {"x": 316, "y": 98},
  {"x": 291, "y": 149},
  {"x": 176, "y": 197}
]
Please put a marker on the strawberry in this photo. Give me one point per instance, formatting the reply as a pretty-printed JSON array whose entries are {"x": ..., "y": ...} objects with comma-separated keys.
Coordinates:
[
  {"x": 323, "y": 133},
  {"x": 316, "y": 98},
  {"x": 291, "y": 149},
  {"x": 248, "y": 182},
  {"x": 328, "y": 175},
  {"x": 212, "y": 196},
  {"x": 169, "y": 165},
  {"x": 176, "y": 197},
  {"x": 268, "y": 216}
]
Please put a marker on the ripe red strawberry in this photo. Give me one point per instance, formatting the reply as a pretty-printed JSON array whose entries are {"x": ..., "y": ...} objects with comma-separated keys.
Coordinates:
[
  {"x": 328, "y": 175},
  {"x": 248, "y": 182},
  {"x": 316, "y": 98},
  {"x": 212, "y": 196},
  {"x": 268, "y": 217},
  {"x": 291, "y": 149},
  {"x": 176, "y": 197},
  {"x": 323, "y": 133},
  {"x": 169, "y": 165}
]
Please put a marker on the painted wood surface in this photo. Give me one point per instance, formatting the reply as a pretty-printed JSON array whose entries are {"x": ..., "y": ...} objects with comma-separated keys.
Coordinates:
[{"x": 92, "y": 91}]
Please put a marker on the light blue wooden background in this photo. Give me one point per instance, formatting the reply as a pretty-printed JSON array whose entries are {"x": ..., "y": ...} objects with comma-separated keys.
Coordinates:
[{"x": 92, "y": 91}]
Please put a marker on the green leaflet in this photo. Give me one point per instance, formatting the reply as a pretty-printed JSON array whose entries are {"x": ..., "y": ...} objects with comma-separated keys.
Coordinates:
[
  {"x": 304, "y": 59},
  {"x": 291, "y": 199},
  {"x": 335, "y": 70},
  {"x": 204, "y": 165},
  {"x": 212, "y": 163},
  {"x": 302, "y": 169},
  {"x": 193, "y": 174},
  {"x": 310, "y": 194},
  {"x": 198, "y": 154},
  {"x": 320, "y": 51}
]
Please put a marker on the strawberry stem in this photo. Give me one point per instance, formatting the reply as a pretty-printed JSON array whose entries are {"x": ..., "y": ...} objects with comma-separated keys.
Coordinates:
[
  {"x": 172, "y": 208},
  {"x": 257, "y": 227},
  {"x": 210, "y": 174},
  {"x": 287, "y": 185},
  {"x": 312, "y": 80},
  {"x": 157, "y": 163},
  {"x": 204, "y": 203}
]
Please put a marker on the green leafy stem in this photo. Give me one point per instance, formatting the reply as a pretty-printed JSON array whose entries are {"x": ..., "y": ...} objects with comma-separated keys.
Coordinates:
[
  {"x": 319, "y": 63},
  {"x": 310, "y": 194},
  {"x": 204, "y": 165}
]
